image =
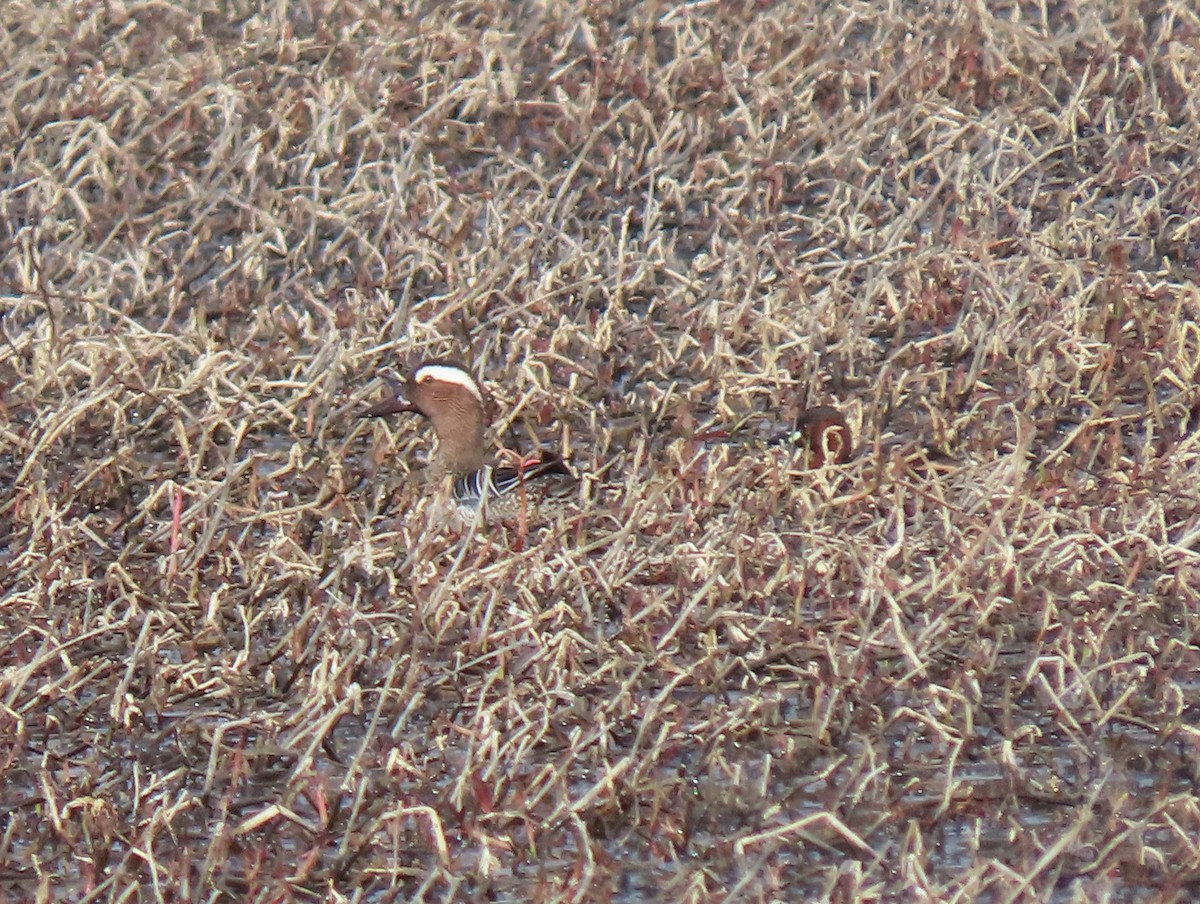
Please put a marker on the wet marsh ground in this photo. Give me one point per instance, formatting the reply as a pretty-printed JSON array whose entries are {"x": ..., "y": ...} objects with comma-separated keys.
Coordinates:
[{"x": 240, "y": 657}]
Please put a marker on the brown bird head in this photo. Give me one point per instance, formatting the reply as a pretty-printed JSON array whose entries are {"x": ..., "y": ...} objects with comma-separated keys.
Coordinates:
[
  {"x": 447, "y": 394},
  {"x": 824, "y": 431}
]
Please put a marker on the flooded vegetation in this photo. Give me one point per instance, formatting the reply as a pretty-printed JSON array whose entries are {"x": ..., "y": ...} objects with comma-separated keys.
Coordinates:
[{"x": 871, "y": 332}]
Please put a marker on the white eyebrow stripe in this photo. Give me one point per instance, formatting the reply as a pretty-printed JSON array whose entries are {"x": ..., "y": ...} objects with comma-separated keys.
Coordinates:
[{"x": 444, "y": 373}]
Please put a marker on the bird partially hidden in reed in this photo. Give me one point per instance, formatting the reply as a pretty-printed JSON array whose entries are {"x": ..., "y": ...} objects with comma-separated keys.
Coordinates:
[
  {"x": 823, "y": 431},
  {"x": 451, "y": 398}
]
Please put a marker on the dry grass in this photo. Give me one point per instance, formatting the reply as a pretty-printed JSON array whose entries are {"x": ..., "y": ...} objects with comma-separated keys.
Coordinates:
[{"x": 238, "y": 661}]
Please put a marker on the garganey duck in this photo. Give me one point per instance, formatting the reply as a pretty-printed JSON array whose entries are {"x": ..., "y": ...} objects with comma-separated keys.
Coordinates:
[{"x": 452, "y": 399}]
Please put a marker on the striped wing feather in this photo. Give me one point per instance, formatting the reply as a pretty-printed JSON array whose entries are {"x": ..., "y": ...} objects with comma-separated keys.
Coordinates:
[{"x": 491, "y": 483}]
